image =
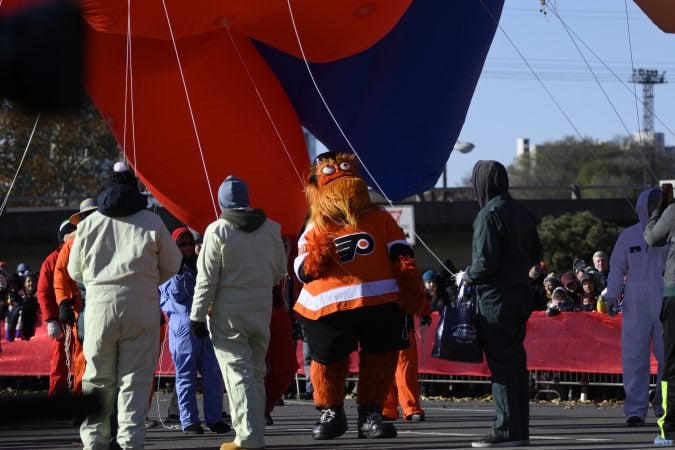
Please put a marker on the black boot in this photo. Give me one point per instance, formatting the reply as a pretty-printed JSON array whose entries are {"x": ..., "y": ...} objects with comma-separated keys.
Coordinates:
[
  {"x": 371, "y": 425},
  {"x": 333, "y": 423}
]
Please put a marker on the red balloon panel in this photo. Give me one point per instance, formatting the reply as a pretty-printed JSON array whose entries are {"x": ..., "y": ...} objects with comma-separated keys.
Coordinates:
[
  {"x": 248, "y": 131},
  {"x": 328, "y": 30}
]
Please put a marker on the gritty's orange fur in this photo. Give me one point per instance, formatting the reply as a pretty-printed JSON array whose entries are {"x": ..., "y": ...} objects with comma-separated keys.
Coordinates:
[
  {"x": 411, "y": 287},
  {"x": 339, "y": 199}
]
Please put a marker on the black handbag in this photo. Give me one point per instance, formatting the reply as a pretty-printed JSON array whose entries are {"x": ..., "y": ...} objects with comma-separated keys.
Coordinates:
[{"x": 457, "y": 334}]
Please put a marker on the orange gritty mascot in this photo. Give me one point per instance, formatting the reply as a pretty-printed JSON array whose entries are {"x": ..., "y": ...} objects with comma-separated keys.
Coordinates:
[{"x": 360, "y": 281}]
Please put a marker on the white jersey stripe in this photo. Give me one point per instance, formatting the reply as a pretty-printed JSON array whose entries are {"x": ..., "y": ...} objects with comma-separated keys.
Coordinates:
[{"x": 346, "y": 293}]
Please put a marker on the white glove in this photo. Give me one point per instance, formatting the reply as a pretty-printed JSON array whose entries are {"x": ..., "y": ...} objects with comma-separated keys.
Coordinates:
[
  {"x": 459, "y": 276},
  {"x": 612, "y": 306},
  {"x": 53, "y": 329}
]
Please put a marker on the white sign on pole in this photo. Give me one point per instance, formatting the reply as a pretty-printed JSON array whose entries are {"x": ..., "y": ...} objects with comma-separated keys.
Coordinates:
[{"x": 404, "y": 215}]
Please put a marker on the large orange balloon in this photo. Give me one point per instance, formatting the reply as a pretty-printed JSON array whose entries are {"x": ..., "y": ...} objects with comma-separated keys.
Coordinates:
[{"x": 244, "y": 120}]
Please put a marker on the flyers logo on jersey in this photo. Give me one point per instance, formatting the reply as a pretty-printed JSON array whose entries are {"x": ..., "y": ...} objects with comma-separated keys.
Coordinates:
[{"x": 354, "y": 244}]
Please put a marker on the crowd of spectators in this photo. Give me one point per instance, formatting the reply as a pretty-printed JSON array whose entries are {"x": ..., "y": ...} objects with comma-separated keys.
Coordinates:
[
  {"x": 19, "y": 309},
  {"x": 579, "y": 289}
]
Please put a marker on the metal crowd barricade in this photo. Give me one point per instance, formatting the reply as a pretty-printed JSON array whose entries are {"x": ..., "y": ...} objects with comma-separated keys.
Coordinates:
[{"x": 544, "y": 382}]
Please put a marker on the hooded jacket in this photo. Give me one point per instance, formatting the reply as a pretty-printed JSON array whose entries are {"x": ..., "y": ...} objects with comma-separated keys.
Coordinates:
[
  {"x": 659, "y": 232},
  {"x": 506, "y": 243},
  {"x": 633, "y": 258},
  {"x": 122, "y": 246},
  {"x": 241, "y": 259}
]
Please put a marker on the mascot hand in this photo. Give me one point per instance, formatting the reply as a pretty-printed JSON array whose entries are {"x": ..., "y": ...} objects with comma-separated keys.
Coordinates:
[
  {"x": 321, "y": 253},
  {"x": 410, "y": 284}
]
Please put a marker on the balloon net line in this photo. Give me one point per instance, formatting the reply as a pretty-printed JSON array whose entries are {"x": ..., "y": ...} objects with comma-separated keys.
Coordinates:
[
  {"x": 192, "y": 116},
  {"x": 640, "y": 148},
  {"x": 546, "y": 89},
  {"x": 263, "y": 104},
  {"x": 18, "y": 169},
  {"x": 632, "y": 66},
  {"x": 129, "y": 94},
  {"x": 344, "y": 135}
]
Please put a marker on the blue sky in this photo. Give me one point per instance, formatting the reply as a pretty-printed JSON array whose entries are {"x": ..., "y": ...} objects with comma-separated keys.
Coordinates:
[{"x": 509, "y": 102}]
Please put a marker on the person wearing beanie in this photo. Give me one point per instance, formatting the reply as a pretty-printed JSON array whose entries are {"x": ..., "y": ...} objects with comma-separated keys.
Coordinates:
[
  {"x": 641, "y": 266},
  {"x": 505, "y": 246},
  {"x": 578, "y": 267},
  {"x": 122, "y": 253},
  {"x": 660, "y": 233},
  {"x": 191, "y": 355},
  {"x": 550, "y": 283},
  {"x": 58, "y": 370},
  {"x": 242, "y": 258}
]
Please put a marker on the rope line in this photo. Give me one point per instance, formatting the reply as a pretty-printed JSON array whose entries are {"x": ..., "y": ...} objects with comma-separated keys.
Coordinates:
[
  {"x": 640, "y": 148},
  {"x": 264, "y": 105},
  {"x": 343, "y": 134},
  {"x": 192, "y": 116},
  {"x": 18, "y": 169}
]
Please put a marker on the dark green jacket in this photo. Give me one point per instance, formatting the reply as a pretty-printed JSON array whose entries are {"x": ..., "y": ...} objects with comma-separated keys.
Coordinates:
[{"x": 505, "y": 246}]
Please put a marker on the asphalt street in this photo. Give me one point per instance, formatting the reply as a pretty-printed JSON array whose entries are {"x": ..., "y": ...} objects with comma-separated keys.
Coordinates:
[{"x": 448, "y": 425}]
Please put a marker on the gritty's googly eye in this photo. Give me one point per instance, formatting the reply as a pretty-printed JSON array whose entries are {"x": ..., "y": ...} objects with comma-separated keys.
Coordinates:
[
  {"x": 328, "y": 170},
  {"x": 345, "y": 166}
]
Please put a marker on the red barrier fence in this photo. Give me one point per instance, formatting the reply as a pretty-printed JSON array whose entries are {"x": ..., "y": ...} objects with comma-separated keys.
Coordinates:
[{"x": 568, "y": 342}]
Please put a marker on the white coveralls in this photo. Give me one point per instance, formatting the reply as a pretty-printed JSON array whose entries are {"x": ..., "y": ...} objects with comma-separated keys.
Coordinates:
[
  {"x": 236, "y": 271},
  {"x": 121, "y": 263},
  {"x": 642, "y": 266}
]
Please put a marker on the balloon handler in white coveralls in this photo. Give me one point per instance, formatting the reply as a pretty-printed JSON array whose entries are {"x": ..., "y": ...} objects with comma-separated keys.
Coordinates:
[
  {"x": 642, "y": 267},
  {"x": 121, "y": 253},
  {"x": 241, "y": 259}
]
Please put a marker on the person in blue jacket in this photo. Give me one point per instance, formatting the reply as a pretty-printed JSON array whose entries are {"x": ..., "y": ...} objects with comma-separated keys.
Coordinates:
[{"x": 190, "y": 354}]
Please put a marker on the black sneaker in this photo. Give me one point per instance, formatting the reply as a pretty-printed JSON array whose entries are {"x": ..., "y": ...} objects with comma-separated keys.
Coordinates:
[
  {"x": 491, "y": 441},
  {"x": 333, "y": 423},
  {"x": 195, "y": 428},
  {"x": 372, "y": 426},
  {"x": 635, "y": 421},
  {"x": 268, "y": 419},
  {"x": 220, "y": 427}
]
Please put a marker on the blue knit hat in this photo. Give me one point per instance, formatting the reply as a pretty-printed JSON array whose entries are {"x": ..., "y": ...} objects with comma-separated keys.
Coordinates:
[
  {"x": 233, "y": 193},
  {"x": 429, "y": 275}
]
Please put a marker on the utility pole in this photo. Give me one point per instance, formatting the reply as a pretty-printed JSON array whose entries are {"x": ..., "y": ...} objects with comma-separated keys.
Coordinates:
[{"x": 648, "y": 78}]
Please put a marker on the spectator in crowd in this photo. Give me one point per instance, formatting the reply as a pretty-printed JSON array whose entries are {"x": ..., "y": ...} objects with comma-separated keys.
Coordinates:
[
  {"x": 22, "y": 270},
  {"x": 14, "y": 307},
  {"x": 241, "y": 259},
  {"x": 559, "y": 302},
  {"x": 642, "y": 268},
  {"x": 537, "y": 276},
  {"x": 589, "y": 296},
  {"x": 121, "y": 253},
  {"x": 601, "y": 264},
  {"x": 29, "y": 319},
  {"x": 660, "y": 233},
  {"x": 191, "y": 355},
  {"x": 505, "y": 246},
  {"x": 578, "y": 268},
  {"x": 550, "y": 283},
  {"x": 4, "y": 293},
  {"x": 435, "y": 290},
  {"x": 58, "y": 371},
  {"x": 571, "y": 285}
]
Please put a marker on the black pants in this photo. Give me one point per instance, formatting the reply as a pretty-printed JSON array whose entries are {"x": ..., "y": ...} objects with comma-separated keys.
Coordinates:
[{"x": 502, "y": 327}]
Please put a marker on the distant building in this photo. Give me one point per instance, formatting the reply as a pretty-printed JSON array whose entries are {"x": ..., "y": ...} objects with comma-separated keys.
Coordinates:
[
  {"x": 524, "y": 148},
  {"x": 657, "y": 139}
]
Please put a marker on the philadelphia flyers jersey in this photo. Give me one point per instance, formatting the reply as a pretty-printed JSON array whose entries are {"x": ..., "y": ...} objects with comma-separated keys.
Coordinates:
[{"x": 363, "y": 275}]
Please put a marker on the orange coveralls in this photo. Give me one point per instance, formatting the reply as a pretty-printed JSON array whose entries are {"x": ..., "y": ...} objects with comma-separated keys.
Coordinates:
[{"x": 65, "y": 288}]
